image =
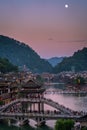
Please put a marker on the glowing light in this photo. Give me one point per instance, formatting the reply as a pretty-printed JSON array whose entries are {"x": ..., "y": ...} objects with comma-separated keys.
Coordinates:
[{"x": 66, "y": 5}]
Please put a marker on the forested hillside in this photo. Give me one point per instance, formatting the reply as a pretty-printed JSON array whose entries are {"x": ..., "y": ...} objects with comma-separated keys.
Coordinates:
[
  {"x": 78, "y": 61},
  {"x": 21, "y": 55}
]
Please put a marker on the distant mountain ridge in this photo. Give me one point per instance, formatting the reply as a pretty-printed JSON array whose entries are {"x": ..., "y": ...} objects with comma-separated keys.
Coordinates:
[
  {"x": 21, "y": 55},
  {"x": 77, "y": 62},
  {"x": 55, "y": 60}
]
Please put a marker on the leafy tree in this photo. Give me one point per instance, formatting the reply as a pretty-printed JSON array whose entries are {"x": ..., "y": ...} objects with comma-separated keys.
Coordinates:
[
  {"x": 6, "y": 66},
  {"x": 39, "y": 79},
  {"x": 63, "y": 124},
  {"x": 84, "y": 128},
  {"x": 79, "y": 80},
  {"x": 1, "y": 102}
]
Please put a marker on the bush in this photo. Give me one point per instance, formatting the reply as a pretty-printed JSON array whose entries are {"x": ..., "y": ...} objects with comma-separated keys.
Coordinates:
[
  {"x": 63, "y": 124},
  {"x": 1, "y": 103},
  {"x": 84, "y": 128}
]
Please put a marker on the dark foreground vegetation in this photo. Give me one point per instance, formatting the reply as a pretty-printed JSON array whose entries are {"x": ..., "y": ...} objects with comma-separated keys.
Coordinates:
[
  {"x": 63, "y": 124},
  {"x": 6, "y": 66}
]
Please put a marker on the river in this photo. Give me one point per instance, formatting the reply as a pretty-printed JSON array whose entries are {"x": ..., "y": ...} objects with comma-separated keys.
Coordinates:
[{"x": 73, "y": 101}]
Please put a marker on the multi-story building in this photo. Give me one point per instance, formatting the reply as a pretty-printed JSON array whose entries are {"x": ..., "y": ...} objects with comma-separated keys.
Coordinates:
[{"x": 8, "y": 91}]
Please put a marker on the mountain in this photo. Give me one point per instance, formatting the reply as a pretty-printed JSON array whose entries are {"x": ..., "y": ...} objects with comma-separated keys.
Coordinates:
[
  {"x": 55, "y": 60},
  {"x": 77, "y": 62},
  {"x": 6, "y": 66},
  {"x": 22, "y": 55}
]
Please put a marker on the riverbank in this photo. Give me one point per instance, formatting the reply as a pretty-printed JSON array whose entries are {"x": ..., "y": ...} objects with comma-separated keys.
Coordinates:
[
  {"x": 65, "y": 92},
  {"x": 67, "y": 89},
  {"x": 76, "y": 88}
]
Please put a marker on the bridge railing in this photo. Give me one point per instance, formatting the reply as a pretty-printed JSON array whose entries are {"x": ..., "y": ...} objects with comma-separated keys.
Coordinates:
[{"x": 34, "y": 115}]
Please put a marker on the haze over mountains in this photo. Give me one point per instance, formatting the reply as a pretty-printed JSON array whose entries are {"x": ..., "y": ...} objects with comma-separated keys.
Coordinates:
[
  {"x": 55, "y": 60},
  {"x": 25, "y": 57}
]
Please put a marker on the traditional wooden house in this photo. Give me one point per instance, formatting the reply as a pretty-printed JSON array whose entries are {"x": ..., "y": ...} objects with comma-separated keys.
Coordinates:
[
  {"x": 8, "y": 91},
  {"x": 32, "y": 90}
]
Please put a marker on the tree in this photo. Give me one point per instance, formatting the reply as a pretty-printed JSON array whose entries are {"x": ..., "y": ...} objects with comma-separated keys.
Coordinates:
[
  {"x": 1, "y": 102},
  {"x": 6, "y": 66},
  {"x": 63, "y": 124},
  {"x": 79, "y": 80},
  {"x": 78, "y": 60},
  {"x": 84, "y": 128},
  {"x": 39, "y": 79}
]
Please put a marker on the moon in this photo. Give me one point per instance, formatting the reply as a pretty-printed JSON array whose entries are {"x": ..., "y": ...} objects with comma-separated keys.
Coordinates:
[{"x": 66, "y": 5}]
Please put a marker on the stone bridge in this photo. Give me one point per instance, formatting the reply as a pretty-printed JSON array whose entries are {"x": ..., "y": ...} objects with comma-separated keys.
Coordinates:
[
  {"x": 49, "y": 102},
  {"x": 41, "y": 116}
]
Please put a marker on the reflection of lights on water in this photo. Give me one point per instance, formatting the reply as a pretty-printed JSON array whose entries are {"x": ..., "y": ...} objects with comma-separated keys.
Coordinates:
[
  {"x": 50, "y": 123},
  {"x": 32, "y": 123},
  {"x": 73, "y": 101}
]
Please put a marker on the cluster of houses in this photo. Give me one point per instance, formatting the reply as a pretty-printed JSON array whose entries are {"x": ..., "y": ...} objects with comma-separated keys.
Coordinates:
[
  {"x": 10, "y": 84},
  {"x": 68, "y": 75},
  {"x": 73, "y": 74}
]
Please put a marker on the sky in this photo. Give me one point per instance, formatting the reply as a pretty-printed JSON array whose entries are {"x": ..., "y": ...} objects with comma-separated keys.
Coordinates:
[{"x": 46, "y": 25}]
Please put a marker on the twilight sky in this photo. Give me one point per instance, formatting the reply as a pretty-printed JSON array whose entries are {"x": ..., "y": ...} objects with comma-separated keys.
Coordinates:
[{"x": 46, "y": 25}]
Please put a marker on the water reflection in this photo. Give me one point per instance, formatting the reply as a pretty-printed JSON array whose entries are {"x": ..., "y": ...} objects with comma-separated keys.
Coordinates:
[
  {"x": 27, "y": 127},
  {"x": 76, "y": 102}
]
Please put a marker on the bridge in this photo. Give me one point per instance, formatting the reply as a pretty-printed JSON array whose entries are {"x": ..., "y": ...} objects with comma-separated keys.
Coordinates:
[
  {"x": 14, "y": 111},
  {"x": 37, "y": 100},
  {"x": 53, "y": 83},
  {"x": 64, "y": 92}
]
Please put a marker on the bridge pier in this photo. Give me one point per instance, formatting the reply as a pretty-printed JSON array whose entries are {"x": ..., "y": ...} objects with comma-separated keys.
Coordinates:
[
  {"x": 9, "y": 122},
  {"x": 22, "y": 121},
  {"x": 40, "y": 121}
]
